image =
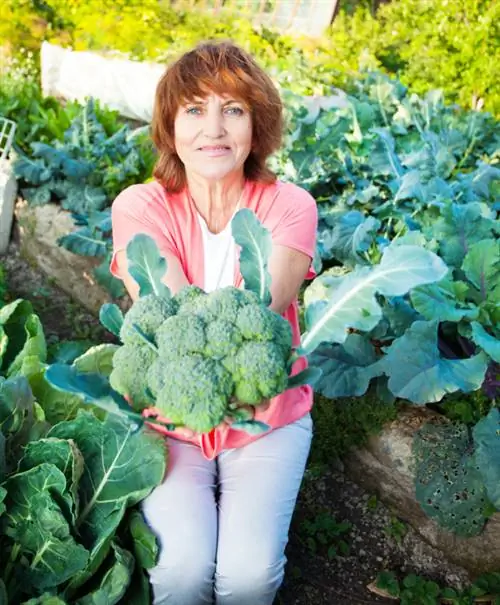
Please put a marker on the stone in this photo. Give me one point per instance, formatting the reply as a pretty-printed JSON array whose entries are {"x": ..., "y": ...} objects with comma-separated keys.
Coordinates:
[
  {"x": 384, "y": 467},
  {"x": 8, "y": 192},
  {"x": 39, "y": 227}
]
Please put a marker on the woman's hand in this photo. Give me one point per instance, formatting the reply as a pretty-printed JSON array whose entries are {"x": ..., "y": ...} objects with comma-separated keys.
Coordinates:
[{"x": 152, "y": 413}]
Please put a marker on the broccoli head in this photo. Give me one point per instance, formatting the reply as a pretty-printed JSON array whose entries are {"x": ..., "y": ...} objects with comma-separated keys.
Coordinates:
[
  {"x": 195, "y": 392},
  {"x": 129, "y": 375},
  {"x": 259, "y": 372},
  {"x": 208, "y": 351},
  {"x": 148, "y": 313}
]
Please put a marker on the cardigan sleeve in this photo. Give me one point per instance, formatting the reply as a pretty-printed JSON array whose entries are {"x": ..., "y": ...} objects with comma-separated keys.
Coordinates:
[
  {"x": 134, "y": 211},
  {"x": 297, "y": 221}
]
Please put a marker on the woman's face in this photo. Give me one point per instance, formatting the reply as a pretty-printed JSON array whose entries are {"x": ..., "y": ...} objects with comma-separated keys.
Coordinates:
[{"x": 213, "y": 136}]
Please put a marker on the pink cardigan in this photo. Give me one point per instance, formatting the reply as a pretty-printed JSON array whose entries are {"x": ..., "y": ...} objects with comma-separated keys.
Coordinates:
[{"x": 286, "y": 210}]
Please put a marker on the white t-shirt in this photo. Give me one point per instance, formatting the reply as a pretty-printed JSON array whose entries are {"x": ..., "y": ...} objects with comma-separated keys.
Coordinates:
[{"x": 219, "y": 251}]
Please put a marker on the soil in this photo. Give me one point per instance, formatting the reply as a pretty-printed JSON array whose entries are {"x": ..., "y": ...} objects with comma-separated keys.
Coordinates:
[{"x": 375, "y": 539}]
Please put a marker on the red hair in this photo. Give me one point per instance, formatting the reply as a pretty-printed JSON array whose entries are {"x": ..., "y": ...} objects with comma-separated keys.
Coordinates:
[{"x": 222, "y": 68}]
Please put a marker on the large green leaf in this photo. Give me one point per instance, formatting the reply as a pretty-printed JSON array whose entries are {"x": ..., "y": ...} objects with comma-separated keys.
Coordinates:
[
  {"x": 67, "y": 350},
  {"x": 64, "y": 454},
  {"x": 352, "y": 236},
  {"x": 460, "y": 226},
  {"x": 18, "y": 417},
  {"x": 57, "y": 405},
  {"x": 115, "y": 581},
  {"x": 97, "y": 359},
  {"x": 92, "y": 388},
  {"x": 34, "y": 521},
  {"x": 346, "y": 369},
  {"x": 256, "y": 245},
  {"x": 486, "y": 435},
  {"x": 108, "y": 281},
  {"x": 121, "y": 468},
  {"x": 482, "y": 266},
  {"x": 13, "y": 319},
  {"x": 145, "y": 544},
  {"x": 352, "y": 304},
  {"x": 486, "y": 341},
  {"x": 147, "y": 266},
  {"x": 34, "y": 345},
  {"x": 419, "y": 373},
  {"x": 85, "y": 242},
  {"x": 439, "y": 301}
]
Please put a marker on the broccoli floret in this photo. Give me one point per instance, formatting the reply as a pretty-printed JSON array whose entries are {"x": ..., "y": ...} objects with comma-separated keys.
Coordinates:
[
  {"x": 148, "y": 313},
  {"x": 259, "y": 323},
  {"x": 181, "y": 335},
  {"x": 259, "y": 372},
  {"x": 195, "y": 393},
  {"x": 226, "y": 303},
  {"x": 155, "y": 378},
  {"x": 256, "y": 322},
  {"x": 223, "y": 339},
  {"x": 189, "y": 299},
  {"x": 129, "y": 374}
]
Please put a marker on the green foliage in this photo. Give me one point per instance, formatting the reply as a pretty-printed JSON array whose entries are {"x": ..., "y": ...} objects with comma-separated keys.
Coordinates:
[
  {"x": 413, "y": 589},
  {"x": 395, "y": 173},
  {"x": 396, "y": 529},
  {"x": 323, "y": 535},
  {"x": 85, "y": 170},
  {"x": 345, "y": 423},
  {"x": 65, "y": 489}
]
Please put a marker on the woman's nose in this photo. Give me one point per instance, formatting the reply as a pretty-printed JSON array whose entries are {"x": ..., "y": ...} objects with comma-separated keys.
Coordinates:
[{"x": 213, "y": 125}]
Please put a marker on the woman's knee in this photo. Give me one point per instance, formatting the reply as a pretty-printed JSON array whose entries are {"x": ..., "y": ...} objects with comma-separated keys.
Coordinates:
[
  {"x": 182, "y": 581},
  {"x": 248, "y": 580}
]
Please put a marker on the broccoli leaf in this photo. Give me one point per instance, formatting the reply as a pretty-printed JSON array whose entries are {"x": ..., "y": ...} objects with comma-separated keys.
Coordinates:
[
  {"x": 147, "y": 266},
  {"x": 111, "y": 317},
  {"x": 115, "y": 580},
  {"x": 486, "y": 435},
  {"x": 255, "y": 242},
  {"x": 352, "y": 304},
  {"x": 144, "y": 541},
  {"x": 487, "y": 342},
  {"x": 308, "y": 376},
  {"x": 419, "y": 373},
  {"x": 252, "y": 427}
]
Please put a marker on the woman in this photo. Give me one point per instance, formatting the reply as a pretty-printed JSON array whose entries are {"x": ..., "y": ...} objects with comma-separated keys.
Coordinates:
[{"x": 223, "y": 513}]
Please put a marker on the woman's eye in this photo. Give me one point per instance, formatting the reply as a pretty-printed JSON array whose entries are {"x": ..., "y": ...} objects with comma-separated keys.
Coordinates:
[
  {"x": 193, "y": 110},
  {"x": 234, "y": 111}
]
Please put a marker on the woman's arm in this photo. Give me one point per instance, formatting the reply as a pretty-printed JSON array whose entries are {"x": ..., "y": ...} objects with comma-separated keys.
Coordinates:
[
  {"x": 288, "y": 269},
  {"x": 175, "y": 277}
]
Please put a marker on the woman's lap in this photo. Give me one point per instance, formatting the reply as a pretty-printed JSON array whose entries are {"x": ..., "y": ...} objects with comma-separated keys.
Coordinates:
[{"x": 245, "y": 530}]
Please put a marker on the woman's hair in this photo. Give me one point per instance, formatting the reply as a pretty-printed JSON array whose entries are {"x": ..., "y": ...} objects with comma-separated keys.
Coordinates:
[{"x": 222, "y": 68}]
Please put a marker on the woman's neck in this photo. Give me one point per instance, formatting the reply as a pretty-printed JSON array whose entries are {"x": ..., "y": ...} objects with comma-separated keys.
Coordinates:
[{"x": 216, "y": 201}]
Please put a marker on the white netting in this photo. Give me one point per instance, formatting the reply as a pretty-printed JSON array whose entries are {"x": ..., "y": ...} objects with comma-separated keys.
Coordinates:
[{"x": 127, "y": 86}]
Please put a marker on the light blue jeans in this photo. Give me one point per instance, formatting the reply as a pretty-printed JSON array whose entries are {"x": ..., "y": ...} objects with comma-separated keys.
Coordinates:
[{"x": 223, "y": 524}]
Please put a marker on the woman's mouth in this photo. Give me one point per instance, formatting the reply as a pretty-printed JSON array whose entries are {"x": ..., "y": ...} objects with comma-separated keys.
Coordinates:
[{"x": 215, "y": 150}]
